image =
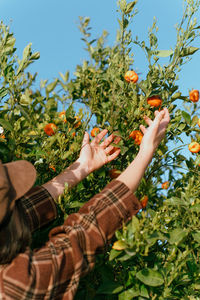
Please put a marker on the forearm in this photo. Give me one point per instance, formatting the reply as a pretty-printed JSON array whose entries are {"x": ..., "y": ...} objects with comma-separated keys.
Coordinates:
[
  {"x": 70, "y": 176},
  {"x": 133, "y": 174}
]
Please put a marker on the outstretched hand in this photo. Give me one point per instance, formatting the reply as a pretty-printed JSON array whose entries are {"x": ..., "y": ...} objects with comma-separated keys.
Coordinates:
[
  {"x": 95, "y": 154},
  {"x": 155, "y": 132}
]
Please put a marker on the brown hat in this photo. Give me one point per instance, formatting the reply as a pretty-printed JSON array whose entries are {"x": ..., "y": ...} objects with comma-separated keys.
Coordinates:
[{"x": 16, "y": 178}]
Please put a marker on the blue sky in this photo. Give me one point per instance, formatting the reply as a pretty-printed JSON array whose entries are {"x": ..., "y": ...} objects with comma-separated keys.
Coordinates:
[{"x": 52, "y": 28}]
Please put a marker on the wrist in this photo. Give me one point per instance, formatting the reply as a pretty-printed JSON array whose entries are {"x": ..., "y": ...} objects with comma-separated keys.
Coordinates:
[
  {"x": 146, "y": 154},
  {"x": 83, "y": 167}
]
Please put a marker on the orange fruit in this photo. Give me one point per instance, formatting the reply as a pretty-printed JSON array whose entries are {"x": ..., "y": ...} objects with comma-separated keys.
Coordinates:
[
  {"x": 77, "y": 122},
  {"x": 154, "y": 101},
  {"x": 52, "y": 168},
  {"x": 62, "y": 116},
  {"x": 194, "y": 95},
  {"x": 131, "y": 76},
  {"x": 194, "y": 147},
  {"x": 2, "y": 136},
  {"x": 114, "y": 173},
  {"x": 95, "y": 131},
  {"x": 137, "y": 136},
  {"x": 198, "y": 122},
  {"x": 165, "y": 185},
  {"x": 144, "y": 201},
  {"x": 50, "y": 129}
]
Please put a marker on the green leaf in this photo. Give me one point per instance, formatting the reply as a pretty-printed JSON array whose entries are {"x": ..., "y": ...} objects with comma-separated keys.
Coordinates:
[
  {"x": 194, "y": 120},
  {"x": 113, "y": 254},
  {"x": 177, "y": 235},
  {"x": 135, "y": 224},
  {"x": 119, "y": 245},
  {"x": 196, "y": 236},
  {"x": 3, "y": 92},
  {"x": 186, "y": 116},
  {"x": 150, "y": 277},
  {"x": 195, "y": 208},
  {"x": 109, "y": 288},
  {"x": 130, "y": 7},
  {"x": 51, "y": 86},
  {"x": 6, "y": 125},
  {"x": 35, "y": 56},
  {"x": 163, "y": 53},
  {"x": 176, "y": 96},
  {"x": 26, "y": 53},
  {"x": 129, "y": 294},
  {"x": 144, "y": 292},
  {"x": 23, "y": 112},
  {"x": 188, "y": 51},
  {"x": 175, "y": 201}
]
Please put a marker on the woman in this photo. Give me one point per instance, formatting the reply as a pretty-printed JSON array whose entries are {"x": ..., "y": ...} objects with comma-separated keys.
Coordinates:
[{"x": 54, "y": 270}]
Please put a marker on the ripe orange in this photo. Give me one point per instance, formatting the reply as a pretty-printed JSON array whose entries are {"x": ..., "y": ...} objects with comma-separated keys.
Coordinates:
[
  {"x": 114, "y": 173},
  {"x": 95, "y": 131},
  {"x": 62, "y": 116},
  {"x": 131, "y": 76},
  {"x": 137, "y": 136},
  {"x": 194, "y": 147},
  {"x": 52, "y": 168},
  {"x": 154, "y": 101},
  {"x": 78, "y": 122},
  {"x": 198, "y": 122},
  {"x": 144, "y": 201},
  {"x": 2, "y": 136},
  {"x": 50, "y": 129},
  {"x": 194, "y": 95},
  {"x": 165, "y": 185}
]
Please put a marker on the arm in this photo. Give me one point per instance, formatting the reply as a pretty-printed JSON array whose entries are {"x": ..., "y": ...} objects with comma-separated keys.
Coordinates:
[{"x": 92, "y": 157}]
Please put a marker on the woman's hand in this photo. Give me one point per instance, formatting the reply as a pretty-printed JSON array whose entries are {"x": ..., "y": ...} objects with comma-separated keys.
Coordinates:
[
  {"x": 95, "y": 154},
  {"x": 155, "y": 132}
]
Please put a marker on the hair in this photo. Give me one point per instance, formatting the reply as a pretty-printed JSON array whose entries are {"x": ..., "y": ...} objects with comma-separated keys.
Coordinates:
[{"x": 15, "y": 235}]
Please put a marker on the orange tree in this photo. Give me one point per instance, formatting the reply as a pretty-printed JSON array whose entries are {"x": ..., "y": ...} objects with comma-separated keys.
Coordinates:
[{"x": 156, "y": 255}]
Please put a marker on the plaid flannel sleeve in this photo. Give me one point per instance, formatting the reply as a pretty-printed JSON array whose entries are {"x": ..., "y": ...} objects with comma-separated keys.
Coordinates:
[{"x": 54, "y": 271}]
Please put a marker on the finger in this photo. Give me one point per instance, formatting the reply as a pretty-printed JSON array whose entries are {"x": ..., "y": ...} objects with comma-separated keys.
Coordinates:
[
  {"x": 107, "y": 141},
  {"x": 113, "y": 156},
  {"x": 166, "y": 116},
  {"x": 117, "y": 140},
  {"x": 143, "y": 129},
  {"x": 148, "y": 120},
  {"x": 109, "y": 149},
  {"x": 158, "y": 118},
  {"x": 99, "y": 137}
]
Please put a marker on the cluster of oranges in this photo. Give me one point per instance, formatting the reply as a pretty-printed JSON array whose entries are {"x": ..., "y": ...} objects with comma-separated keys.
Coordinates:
[
  {"x": 194, "y": 147},
  {"x": 137, "y": 136},
  {"x": 132, "y": 77},
  {"x": 51, "y": 128}
]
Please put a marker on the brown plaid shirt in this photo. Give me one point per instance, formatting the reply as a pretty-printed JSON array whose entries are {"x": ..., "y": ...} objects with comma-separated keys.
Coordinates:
[{"x": 54, "y": 271}]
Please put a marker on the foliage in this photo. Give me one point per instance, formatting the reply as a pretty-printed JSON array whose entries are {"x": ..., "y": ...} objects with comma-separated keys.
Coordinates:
[{"x": 156, "y": 255}]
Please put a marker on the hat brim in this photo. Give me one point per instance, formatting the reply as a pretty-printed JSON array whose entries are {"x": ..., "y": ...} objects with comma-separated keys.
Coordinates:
[{"x": 22, "y": 175}]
